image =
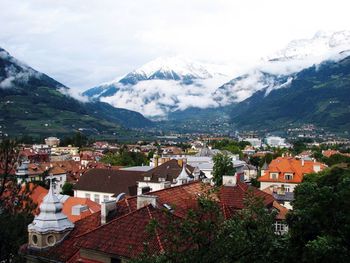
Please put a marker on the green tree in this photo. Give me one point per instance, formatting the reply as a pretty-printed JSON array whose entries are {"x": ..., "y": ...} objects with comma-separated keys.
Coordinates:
[
  {"x": 67, "y": 189},
  {"x": 125, "y": 158},
  {"x": 320, "y": 219},
  {"x": 255, "y": 160},
  {"x": 15, "y": 205},
  {"x": 205, "y": 236},
  {"x": 222, "y": 166},
  {"x": 336, "y": 159}
]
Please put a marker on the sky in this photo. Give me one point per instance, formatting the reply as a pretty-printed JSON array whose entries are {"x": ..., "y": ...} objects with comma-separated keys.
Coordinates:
[{"x": 83, "y": 43}]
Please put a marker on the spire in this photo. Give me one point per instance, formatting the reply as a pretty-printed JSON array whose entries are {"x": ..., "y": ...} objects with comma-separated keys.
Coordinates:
[
  {"x": 50, "y": 217},
  {"x": 183, "y": 175}
]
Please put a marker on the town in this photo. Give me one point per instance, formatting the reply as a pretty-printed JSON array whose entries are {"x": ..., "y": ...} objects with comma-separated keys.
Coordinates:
[
  {"x": 179, "y": 131},
  {"x": 88, "y": 191}
]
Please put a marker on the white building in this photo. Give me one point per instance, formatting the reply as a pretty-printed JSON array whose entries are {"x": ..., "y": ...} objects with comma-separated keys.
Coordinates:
[
  {"x": 255, "y": 142},
  {"x": 275, "y": 141},
  {"x": 107, "y": 184}
]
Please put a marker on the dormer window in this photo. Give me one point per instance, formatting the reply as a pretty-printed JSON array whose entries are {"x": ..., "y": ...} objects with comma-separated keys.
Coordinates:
[
  {"x": 160, "y": 179},
  {"x": 147, "y": 178},
  {"x": 274, "y": 176},
  {"x": 288, "y": 176}
]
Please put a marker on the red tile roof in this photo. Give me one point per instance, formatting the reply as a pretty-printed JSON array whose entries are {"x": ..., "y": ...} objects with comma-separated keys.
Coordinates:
[
  {"x": 181, "y": 198},
  {"x": 92, "y": 207},
  {"x": 68, "y": 248},
  {"x": 283, "y": 165},
  {"x": 234, "y": 196},
  {"x": 126, "y": 236}
]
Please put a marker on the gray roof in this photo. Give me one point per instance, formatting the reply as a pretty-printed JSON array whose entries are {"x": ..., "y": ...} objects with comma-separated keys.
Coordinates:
[
  {"x": 137, "y": 168},
  {"x": 287, "y": 196}
]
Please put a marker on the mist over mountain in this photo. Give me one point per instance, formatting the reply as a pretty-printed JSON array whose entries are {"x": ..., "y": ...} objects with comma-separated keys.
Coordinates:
[
  {"x": 318, "y": 95},
  {"x": 169, "y": 85},
  {"x": 161, "y": 86},
  {"x": 33, "y": 103}
]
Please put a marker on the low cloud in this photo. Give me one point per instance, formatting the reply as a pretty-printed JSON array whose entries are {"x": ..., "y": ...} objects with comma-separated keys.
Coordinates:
[
  {"x": 156, "y": 98},
  {"x": 74, "y": 94}
]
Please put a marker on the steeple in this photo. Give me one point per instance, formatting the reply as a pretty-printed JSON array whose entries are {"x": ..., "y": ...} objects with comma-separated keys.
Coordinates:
[
  {"x": 51, "y": 225},
  {"x": 183, "y": 176}
]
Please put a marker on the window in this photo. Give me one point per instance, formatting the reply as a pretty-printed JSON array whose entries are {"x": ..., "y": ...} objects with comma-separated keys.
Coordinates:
[
  {"x": 288, "y": 176},
  {"x": 146, "y": 178},
  {"x": 160, "y": 179},
  {"x": 51, "y": 240},
  {"x": 97, "y": 198},
  {"x": 105, "y": 198},
  {"x": 35, "y": 239},
  {"x": 280, "y": 228},
  {"x": 286, "y": 188},
  {"x": 87, "y": 195},
  {"x": 273, "y": 175}
]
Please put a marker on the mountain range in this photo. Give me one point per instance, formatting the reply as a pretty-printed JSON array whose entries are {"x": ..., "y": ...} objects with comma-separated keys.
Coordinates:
[
  {"x": 318, "y": 95},
  {"x": 174, "y": 88},
  {"x": 306, "y": 82},
  {"x": 32, "y": 103}
]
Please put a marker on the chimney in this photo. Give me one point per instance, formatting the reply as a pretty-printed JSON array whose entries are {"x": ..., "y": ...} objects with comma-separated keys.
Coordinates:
[
  {"x": 106, "y": 208},
  {"x": 317, "y": 168},
  {"x": 144, "y": 200},
  {"x": 180, "y": 162},
  {"x": 155, "y": 161},
  {"x": 229, "y": 180},
  {"x": 302, "y": 162},
  {"x": 78, "y": 209}
]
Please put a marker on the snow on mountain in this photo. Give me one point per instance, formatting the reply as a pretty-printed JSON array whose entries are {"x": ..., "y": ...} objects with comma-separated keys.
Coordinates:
[
  {"x": 278, "y": 70},
  {"x": 163, "y": 85},
  {"x": 182, "y": 67},
  {"x": 14, "y": 70},
  {"x": 322, "y": 44},
  {"x": 170, "y": 84}
]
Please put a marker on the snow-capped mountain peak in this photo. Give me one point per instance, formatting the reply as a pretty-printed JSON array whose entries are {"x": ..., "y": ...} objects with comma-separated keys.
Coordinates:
[
  {"x": 178, "y": 65},
  {"x": 321, "y": 44}
]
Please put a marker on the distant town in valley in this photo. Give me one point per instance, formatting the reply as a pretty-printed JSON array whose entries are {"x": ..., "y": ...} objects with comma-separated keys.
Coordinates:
[{"x": 174, "y": 131}]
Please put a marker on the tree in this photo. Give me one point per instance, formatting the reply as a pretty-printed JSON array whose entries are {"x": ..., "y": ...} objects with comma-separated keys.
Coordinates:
[
  {"x": 222, "y": 166},
  {"x": 255, "y": 160},
  {"x": 8, "y": 159},
  {"x": 67, "y": 189},
  {"x": 125, "y": 158},
  {"x": 320, "y": 219},
  {"x": 16, "y": 205},
  {"x": 203, "y": 235}
]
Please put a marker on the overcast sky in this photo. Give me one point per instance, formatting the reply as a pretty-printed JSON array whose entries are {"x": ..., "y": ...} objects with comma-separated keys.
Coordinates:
[{"x": 82, "y": 43}]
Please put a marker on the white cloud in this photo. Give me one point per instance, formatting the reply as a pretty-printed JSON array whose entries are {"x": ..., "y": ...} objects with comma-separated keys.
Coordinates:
[
  {"x": 82, "y": 43},
  {"x": 155, "y": 98}
]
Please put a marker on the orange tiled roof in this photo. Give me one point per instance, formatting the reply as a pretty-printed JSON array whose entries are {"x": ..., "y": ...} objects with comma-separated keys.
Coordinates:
[
  {"x": 283, "y": 165},
  {"x": 92, "y": 207},
  {"x": 182, "y": 197}
]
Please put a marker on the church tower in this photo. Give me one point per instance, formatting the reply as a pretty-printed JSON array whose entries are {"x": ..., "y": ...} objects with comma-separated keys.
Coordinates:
[{"x": 51, "y": 225}]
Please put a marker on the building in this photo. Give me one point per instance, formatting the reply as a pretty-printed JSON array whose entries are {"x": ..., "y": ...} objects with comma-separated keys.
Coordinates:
[
  {"x": 107, "y": 184},
  {"x": 275, "y": 141},
  {"x": 255, "y": 142},
  {"x": 32, "y": 172},
  {"x": 247, "y": 171},
  {"x": 285, "y": 173},
  {"x": 51, "y": 226},
  {"x": 52, "y": 141},
  {"x": 117, "y": 233},
  {"x": 74, "y": 208},
  {"x": 171, "y": 173}
]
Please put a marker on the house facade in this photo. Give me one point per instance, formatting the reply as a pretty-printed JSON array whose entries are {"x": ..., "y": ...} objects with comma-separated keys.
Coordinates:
[{"x": 283, "y": 174}]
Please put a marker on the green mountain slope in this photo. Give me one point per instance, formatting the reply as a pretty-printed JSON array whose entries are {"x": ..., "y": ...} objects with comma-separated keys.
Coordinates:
[
  {"x": 32, "y": 103},
  {"x": 318, "y": 95}
]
